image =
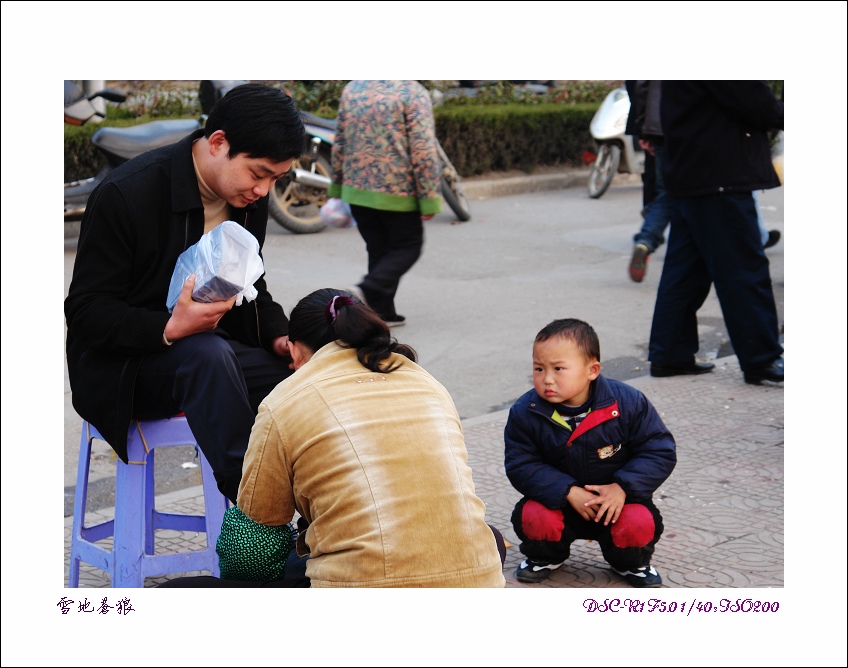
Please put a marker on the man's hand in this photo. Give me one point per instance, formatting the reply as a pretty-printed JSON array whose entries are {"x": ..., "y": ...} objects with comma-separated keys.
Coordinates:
[
  {"x": 647, "y": 145},
  {"x": 427, "y": 217},
  {"x": 281, "y": 348},
  {"x": 191, "y": 317},
  {"x": 609, "y": 499}
]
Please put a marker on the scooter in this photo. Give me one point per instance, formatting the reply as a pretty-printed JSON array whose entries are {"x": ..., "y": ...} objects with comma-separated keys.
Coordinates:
[
  {"x": 116, "y": 144},
  {"x": 616, "y": 150}
]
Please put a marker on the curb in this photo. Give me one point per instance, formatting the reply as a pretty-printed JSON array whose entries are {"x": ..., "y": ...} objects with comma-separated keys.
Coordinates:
[{"x": 517, "y": 185}]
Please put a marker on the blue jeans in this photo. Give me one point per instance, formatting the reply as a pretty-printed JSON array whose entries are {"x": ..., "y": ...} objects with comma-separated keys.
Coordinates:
[
  {"x": 764, "y": 235},
  {"x": 659, "y": 212}
]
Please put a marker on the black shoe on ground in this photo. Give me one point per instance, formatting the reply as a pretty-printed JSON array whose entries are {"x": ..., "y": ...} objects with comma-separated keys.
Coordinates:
[
  {"x": 773, "y": 238},
  {"x": 772, "y": 372},
  {"x": 645, "y": 577},
  {"x": 531, "y": 570},
  {"x": 694, "y": 369},
  {"x": 395, "y": 320}
]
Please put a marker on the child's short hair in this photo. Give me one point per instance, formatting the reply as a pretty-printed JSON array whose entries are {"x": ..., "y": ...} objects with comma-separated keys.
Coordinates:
[{"x": 581, "y": 333}]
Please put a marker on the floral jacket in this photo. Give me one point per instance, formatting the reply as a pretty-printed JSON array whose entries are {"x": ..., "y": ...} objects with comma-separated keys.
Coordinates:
[{"x": 384, "y": 155}]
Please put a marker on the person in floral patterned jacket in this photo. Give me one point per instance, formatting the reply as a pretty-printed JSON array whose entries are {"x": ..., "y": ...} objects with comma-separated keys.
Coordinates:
[{"x": 385, "y": 165}]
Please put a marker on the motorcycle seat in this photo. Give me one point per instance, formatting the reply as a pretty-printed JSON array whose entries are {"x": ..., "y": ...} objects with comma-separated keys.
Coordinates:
[
  {"x": 312, "y": 119},
  {"x": 130, "y": 142}
]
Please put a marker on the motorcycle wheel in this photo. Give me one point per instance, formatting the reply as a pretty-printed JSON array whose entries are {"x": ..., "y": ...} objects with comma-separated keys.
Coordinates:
[
  {"x": 296, "y": 206},
  {"x": 452, "y": 192},
  {"x": 604, "y": 168}
]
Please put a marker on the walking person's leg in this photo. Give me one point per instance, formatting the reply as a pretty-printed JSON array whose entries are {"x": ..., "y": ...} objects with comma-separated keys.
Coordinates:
[
  {"x": 651, "y": 234},
  {"x": 684, "y": 286},
  {"x": 729, "y": 235},
  {"x": 769, "y": 237},
  {"x": 397, "y": 238}
]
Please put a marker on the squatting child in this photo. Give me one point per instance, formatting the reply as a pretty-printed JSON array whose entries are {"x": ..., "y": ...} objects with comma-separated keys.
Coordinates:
[{"x": 587, "y": 454}]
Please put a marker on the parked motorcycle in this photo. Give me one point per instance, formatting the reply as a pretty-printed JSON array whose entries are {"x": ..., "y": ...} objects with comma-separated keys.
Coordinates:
[
  {"x": 116, "y": 144},
  {"x": 616, "y": 150}
]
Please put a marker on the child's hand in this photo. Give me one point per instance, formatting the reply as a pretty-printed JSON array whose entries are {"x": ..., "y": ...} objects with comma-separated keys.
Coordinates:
[
  {"x": 609, "y": 498},
  {"x": 580, "y": 499}
]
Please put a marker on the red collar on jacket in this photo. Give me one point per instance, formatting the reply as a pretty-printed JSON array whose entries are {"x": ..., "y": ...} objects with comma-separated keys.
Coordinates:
[{"x": 594, "y": 418}]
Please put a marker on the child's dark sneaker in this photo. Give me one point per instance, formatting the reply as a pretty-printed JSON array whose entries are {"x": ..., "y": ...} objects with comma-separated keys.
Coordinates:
[
  {"x": 530, "y": 570},
  {"x": 646, "y": 576}
]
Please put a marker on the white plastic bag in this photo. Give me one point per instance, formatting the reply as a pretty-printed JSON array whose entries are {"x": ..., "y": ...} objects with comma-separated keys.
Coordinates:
[
  {"x": 227, "y": 263},
  {"x": 336, "y": 213}
]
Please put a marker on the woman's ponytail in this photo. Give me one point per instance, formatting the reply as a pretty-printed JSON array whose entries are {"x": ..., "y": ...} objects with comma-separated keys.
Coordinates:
[{"x": 330, "y": 314}]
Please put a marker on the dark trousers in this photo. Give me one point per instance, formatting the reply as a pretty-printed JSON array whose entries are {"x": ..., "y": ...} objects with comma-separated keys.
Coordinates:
[
  {"x": 555, "y": 552},
  {"x": 649, "y": 179},
  {"x": 394, "y": 240},
  {"x": 218, "y": 384},
  {"x": 715, "y": 240}
]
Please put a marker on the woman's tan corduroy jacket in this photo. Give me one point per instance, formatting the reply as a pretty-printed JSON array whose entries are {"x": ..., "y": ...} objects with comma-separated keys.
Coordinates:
[{"x": 376, "y": 463}]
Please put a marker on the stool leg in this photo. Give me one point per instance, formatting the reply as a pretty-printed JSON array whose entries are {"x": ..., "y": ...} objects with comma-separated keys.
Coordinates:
[
  {"x": 215, "y": 504},
  {"x": 150, "y": 504},
  {"x": 79, "y": 506},
  {"x": 130, "y": 512}
]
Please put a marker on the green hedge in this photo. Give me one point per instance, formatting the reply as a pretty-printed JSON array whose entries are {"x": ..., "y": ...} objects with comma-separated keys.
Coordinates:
[
  {"x": 81, "y": 156},
  {"x": 487, "y": 138}
]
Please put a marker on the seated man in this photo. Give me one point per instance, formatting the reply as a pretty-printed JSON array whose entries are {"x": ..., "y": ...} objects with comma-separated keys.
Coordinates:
[{"x": 127, "y": 356}]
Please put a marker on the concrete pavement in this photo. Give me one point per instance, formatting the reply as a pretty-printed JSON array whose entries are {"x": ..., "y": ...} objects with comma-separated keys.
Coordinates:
[{"x": 722, "y": 507}]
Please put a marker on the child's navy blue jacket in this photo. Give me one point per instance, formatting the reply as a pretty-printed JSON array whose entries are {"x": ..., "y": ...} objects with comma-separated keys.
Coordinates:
[{"x": 622, "y": 439}]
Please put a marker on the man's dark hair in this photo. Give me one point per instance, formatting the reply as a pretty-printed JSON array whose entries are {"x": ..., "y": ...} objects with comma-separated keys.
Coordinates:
[
  {"x": 581, "y": 333},
  {"x": 258, "y": 120}
]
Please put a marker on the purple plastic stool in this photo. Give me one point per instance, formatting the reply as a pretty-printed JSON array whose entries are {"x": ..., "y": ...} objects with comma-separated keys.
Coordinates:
[{"x": 132, "y": 557}]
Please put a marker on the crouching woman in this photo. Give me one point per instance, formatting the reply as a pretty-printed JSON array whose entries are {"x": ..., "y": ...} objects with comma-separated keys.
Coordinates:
[{"x": 367, "y": 447}]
